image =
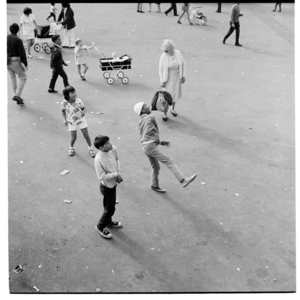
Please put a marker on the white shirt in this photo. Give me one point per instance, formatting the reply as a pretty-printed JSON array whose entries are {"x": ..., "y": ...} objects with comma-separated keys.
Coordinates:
[
  {"x": 107, "y": 167},
  {"x": 28, "y": 26}
]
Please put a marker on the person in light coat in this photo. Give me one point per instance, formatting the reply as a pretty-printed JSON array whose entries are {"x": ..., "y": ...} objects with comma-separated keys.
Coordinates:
[{"x": 172, "y": 73}]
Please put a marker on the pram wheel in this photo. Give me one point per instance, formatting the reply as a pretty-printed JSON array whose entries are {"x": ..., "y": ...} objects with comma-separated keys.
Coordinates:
[
  {"x": 125, "y": 80},
  {"x": 110, "y": 80},
  {"x": 37, "y": 48},
  {"x": 120, "y": 74},
  {"x": 106, "y": 75},
  {"x": 44, "y": 45},
  {"x": 47, "y": 50}
]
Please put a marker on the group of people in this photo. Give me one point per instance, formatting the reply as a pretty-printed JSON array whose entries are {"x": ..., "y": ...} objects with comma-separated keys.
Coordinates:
[{"x": 172, "y": 74}]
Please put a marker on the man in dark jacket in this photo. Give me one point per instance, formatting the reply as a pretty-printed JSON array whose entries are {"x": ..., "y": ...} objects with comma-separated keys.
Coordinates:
[
  {"x": 67, "y": 17},
  {"x": 56, "y": 64},
  {"x": 16, "y": 62}
]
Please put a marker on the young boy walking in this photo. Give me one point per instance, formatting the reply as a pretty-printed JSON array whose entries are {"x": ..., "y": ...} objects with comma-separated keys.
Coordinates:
[
  {"x": 56, "y": 64},
  {"x": 73, "y": 112},
  {"x": 52, "y": 12},
  {"x": 150, "y": 140},
  {"x": 107, "y": 168}
]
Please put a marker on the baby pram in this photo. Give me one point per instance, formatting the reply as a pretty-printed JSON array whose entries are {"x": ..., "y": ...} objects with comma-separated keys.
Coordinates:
[
  {"x": 197, "y": 17},
  {"x": 43, "y": 40},
  {"x": 115, "y": 64}
]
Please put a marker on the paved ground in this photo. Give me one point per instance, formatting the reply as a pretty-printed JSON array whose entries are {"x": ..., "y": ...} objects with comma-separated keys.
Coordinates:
[{"x": 235, "y": 129}]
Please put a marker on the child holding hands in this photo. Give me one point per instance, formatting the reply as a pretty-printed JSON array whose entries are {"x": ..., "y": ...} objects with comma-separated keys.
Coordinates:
[
  {"x": 73, "y": 112},
  {"x": 81, "y": 53}
]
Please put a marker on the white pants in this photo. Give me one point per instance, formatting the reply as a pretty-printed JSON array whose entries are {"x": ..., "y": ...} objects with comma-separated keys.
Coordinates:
[{"x": 69, "y": 38}]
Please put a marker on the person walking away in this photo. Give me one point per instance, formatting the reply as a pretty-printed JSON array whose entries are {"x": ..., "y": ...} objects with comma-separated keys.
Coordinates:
[
  {"x": 234, "y": 24},
  {"x": 139, "y": 8},
  {"x": 219, "y": 7},
  {"x": 16, "y": 62},
  {"x": 66, "y": 18},
  {"x": 150, "y": 140},
  {"x": 56, "y": 64},
  {"x": 52, "y": 12},
  {"x": 172, "y": 7},
  {"x": 108, "y": 171},
  {"x": 73, "y": 112},
  {"x": 172, "y": 73},
  {"x": 27, "y": 22},
  {"x": 279, "y": 5},
  {"x": 81, "y": 52}
]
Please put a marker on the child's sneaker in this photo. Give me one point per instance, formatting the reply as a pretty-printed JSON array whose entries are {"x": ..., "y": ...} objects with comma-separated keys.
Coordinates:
[
  {"x": 188, "y": 180},
  {"x": 71, "y": 152},
  {"x": 104, "y": 232},
  {"x": 92, "y": 153},
  {"x": 114, "y": 224}
]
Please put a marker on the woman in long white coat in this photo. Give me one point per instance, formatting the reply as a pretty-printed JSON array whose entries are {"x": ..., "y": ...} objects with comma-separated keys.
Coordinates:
[{"x": 172, "y": 73}]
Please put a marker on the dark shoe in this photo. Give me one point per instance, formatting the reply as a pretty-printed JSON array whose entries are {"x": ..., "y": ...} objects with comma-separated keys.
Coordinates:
[
  {"x": 104, "y": 232},
  {"x": 174, "y": 113},
  {"x": 83, "y": 78},
  {"x": 237, "y": 44},
  {"x": 217, "y": 11},
  {"x": 279, "y": 10},
  {"x": 18, "y": 99},
  {"x": 166, "y": 14},
  {"x": 115, "y": 224},
  {"x": 165, "y": 118},
  {"x": 178, "y": 22},
  {"x": 52, "y": 91},
  {"x": 176, "y": 15},
  {"x": 274, "y": 10},
  {"x": 188, "y": 180},
  {"x": 224, "y": 42},
  {"x": 158, "y": 189},
  {"x": 65, "y": 46},
  {"x": 142, "y": 12}
]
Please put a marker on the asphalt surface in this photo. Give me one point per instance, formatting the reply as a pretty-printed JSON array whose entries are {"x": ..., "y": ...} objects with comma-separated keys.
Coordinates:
[{"x": 231, "y": 230}]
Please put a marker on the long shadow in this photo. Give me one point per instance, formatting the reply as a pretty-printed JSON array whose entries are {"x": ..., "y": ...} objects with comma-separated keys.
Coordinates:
[
  {"x": 149, "y": 261},
  {"x": 188, "y": 127}
]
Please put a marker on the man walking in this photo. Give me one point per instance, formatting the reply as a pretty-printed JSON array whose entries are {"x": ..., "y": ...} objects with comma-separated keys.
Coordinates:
[
  {"x": 16, "y": 62},
  {"x": 234, "y": 24},
  {"x": 172, "y": 7}
]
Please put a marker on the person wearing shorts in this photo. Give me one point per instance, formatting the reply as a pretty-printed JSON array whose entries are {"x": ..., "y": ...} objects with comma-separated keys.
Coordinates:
[{"x": 73, "y": 112}]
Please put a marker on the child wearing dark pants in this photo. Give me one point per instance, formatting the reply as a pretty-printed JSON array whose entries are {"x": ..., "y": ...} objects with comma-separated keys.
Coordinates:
[
  {"x": 56, "y": 64},
  {"x": 107, "y": 168}
]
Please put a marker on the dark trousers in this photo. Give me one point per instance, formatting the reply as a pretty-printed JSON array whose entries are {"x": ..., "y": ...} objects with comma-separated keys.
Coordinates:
[
  {"x": 172, "y": 7},
  {"x": 231, "y": 30},
  {"x": 55, "y": 73},
  {"x": 109, "y": 202},
  {"x": 52, "y": 15},
  {"x": 219, "y": 7}
]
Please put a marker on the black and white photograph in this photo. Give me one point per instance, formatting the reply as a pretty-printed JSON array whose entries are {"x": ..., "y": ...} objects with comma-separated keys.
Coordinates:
[{"x": 150, "y": 148}]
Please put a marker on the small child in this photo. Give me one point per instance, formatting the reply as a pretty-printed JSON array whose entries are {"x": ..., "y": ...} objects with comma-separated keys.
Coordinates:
[
  {"x": 150, "y": 140},
  {"x": 52, "y": 12},
  {"x": 73, "y": 112},
  {"x": 107, "y": 168},
  {"x": 81, "y": 52}
]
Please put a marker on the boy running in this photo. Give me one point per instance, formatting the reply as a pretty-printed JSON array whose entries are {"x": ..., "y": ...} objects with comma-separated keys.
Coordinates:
[
  {"x": 107, "y": 168},
  {"x": 150, "y": 140}
]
